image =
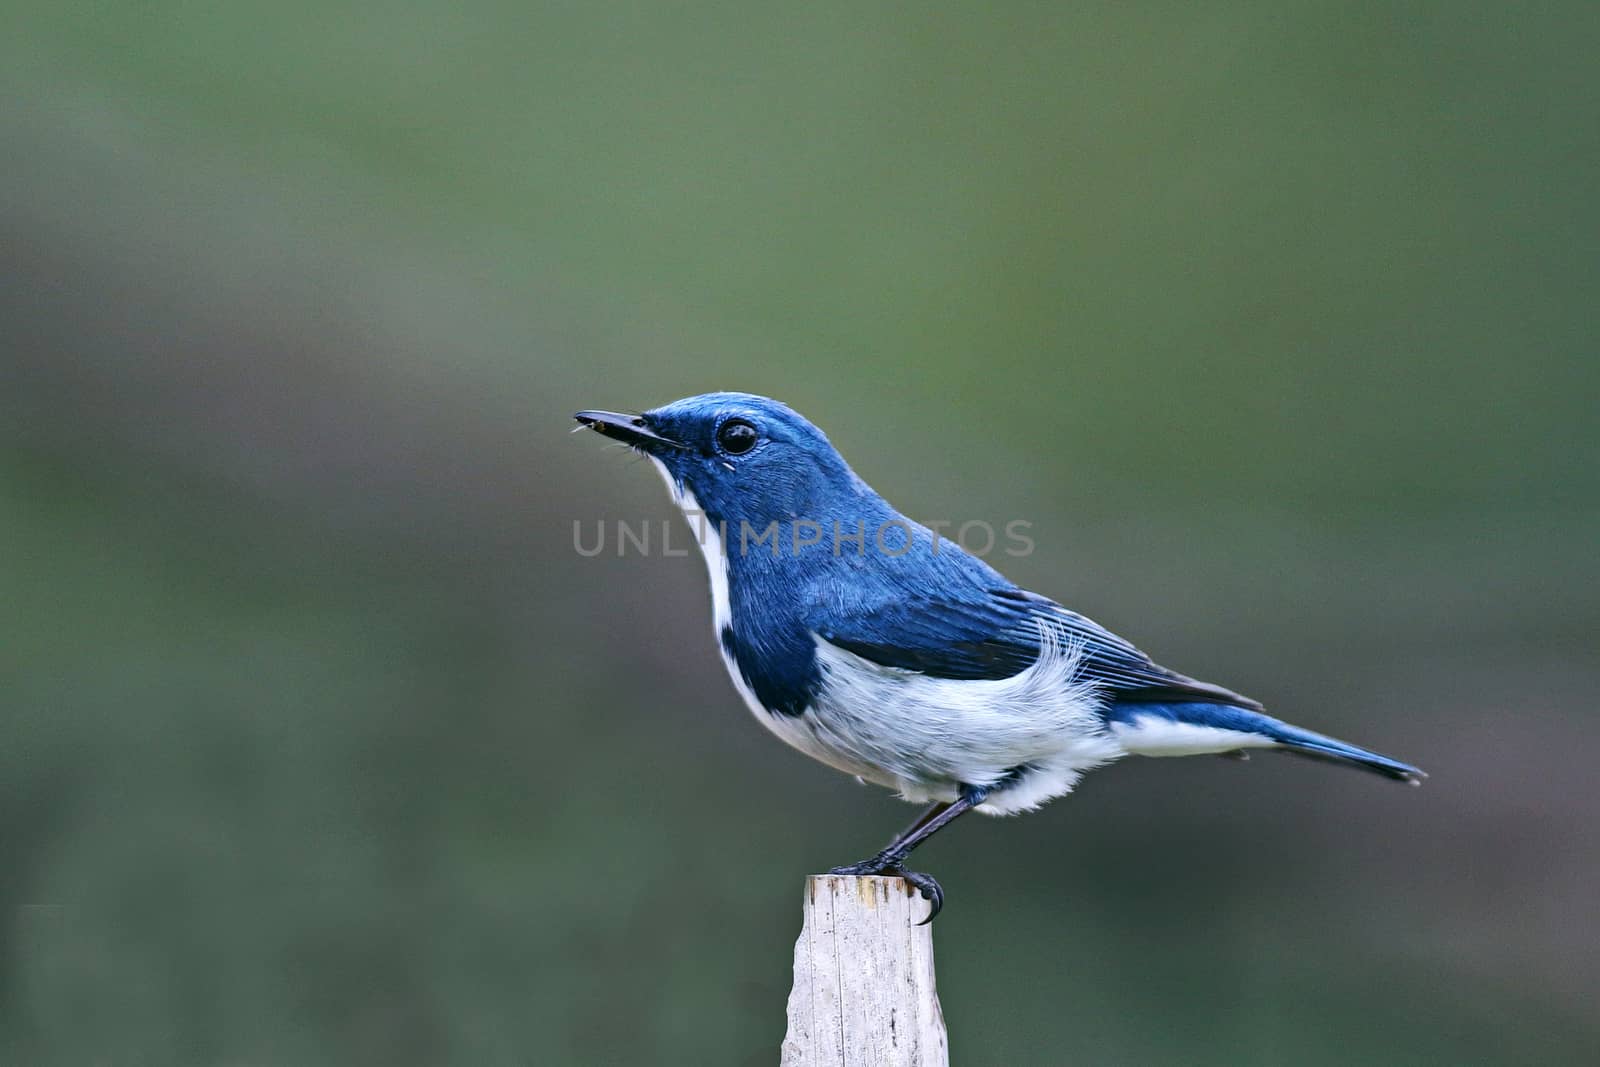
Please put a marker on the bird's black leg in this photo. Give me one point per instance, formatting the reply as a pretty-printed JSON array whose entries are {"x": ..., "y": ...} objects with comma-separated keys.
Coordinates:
[
  {"x": 873, "y": 866},
  {"x": 921, "y": 821},
  {"x": 890, "y": 860}
]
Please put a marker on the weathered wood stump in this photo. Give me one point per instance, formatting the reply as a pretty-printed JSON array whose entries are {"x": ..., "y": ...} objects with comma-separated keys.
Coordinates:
[{"x": 864, "y": 991}]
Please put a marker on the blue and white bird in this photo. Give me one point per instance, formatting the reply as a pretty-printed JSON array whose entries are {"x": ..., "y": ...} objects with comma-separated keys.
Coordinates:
[{"x": 867, "y": 642}]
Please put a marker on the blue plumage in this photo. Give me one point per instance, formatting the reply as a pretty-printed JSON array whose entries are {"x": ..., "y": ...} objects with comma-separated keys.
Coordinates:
[{"x": 866, "y": 641}]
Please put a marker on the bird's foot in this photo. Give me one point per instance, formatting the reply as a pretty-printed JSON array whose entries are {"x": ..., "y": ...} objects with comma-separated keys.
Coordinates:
[
  {"x": 930, "y": 890},
  {"x": 889, "y": 867}
]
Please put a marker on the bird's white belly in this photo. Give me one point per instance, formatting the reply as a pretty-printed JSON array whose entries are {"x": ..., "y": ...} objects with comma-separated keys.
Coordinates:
[{"x": 1036, "y": 732}]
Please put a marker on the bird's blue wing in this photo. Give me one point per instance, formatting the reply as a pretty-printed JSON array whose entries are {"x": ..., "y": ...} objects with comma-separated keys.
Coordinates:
[{"x": 996, "y": 633}]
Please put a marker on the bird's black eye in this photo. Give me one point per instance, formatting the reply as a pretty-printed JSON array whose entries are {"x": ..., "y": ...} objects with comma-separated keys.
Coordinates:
[{"x": 736, "y": 437}]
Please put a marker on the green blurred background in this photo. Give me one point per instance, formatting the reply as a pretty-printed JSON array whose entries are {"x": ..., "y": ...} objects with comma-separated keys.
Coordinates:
[{"x": 323, "y": 746}]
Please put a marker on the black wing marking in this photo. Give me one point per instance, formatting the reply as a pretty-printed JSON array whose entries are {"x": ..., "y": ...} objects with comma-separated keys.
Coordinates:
[{"x": 997, "y": 634}]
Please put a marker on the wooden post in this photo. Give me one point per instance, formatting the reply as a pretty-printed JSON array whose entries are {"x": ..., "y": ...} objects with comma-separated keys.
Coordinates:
[{"x": 863, "y": 991}]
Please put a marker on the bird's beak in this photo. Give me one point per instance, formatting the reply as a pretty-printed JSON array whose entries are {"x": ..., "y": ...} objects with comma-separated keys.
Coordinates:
[{"x": 629, "y": 429}]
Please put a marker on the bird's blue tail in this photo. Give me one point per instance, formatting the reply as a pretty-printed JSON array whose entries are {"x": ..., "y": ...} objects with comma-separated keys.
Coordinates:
[{"x": 1189, "y": 728}]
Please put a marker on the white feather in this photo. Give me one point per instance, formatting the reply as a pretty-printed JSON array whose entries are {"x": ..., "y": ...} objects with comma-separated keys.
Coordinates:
[
  {"x": 1151, "y": 735},
  {"x": 1038, "y": 730},
  {"x": 709, "y": 538}
]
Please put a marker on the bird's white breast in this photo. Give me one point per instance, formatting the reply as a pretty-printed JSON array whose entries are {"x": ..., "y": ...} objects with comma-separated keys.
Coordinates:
[{"x": 1035, "y": 732}]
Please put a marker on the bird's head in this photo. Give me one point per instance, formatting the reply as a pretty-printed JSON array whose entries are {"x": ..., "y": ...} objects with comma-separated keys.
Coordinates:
[{"x": 741, "y": 457}]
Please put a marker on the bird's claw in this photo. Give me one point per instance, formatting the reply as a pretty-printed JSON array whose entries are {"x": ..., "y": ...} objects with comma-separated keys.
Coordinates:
[
  {"x": 924, "y": 884},
  {"x": 930, "y": 890}
]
